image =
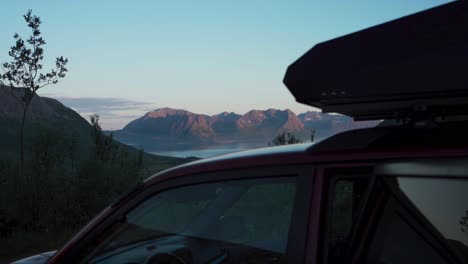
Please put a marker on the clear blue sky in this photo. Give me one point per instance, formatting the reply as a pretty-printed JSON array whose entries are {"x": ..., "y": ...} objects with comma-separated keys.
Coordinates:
[{"x": 203, "y": 56}]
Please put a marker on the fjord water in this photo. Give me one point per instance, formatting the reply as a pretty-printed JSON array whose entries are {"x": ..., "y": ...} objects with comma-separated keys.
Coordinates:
[{"x": 199, "y": 153}]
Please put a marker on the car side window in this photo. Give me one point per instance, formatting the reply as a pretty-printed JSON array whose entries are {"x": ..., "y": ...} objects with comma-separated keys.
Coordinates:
[
  {"x": 245, "y": 221},
  {"x": 411, "y": 223},
  {"x": 443, "y": 201},
  {"x": 399, "y": 242},
  {"x": 345, "y": 202},
  {"x": 342, "y": 209}
]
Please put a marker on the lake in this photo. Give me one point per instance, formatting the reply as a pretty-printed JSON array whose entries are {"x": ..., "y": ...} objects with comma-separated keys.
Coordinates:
[{"x": 200, "y": 153}]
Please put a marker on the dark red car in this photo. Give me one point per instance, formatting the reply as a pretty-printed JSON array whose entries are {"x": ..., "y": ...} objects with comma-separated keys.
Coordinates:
[{"x": 396, "y": 193}]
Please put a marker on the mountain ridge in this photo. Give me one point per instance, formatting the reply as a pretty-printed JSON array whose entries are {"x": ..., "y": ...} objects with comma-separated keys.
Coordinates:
[{"x": 169, "y": 129}]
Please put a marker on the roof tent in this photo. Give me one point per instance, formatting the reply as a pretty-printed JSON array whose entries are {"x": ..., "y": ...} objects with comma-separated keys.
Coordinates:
[{"x": 417, "y": 64}]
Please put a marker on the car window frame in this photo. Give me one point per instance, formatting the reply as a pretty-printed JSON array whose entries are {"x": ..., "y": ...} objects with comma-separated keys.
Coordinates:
[
  {"x": 390, "y": 197},
  {"x": 297, "y": 237}
]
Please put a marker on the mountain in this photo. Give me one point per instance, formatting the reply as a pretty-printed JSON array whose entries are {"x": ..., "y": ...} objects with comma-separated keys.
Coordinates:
[
  {"x": 257, "y": 124},
  {"x": 224, "y": 123},
  {"x": 40, "y": 109},
  {"x": 271, "y": 118},
  {"x": 172, "y": 123},
  {"x": 329, "y": 124},
  {"x": 175, "y": 129},
  {"x": 43, "y": 113},
  {"x": 167, "y": 127}
]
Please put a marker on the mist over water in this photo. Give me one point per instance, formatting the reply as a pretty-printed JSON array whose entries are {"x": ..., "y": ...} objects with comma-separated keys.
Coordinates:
[{"x": 200, "y": 153}]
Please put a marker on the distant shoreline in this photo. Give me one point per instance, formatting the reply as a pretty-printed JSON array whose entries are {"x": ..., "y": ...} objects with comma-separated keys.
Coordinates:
[{"x": 199, "y": 153}]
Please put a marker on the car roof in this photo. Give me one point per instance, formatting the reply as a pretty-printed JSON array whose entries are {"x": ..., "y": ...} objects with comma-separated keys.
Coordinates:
[
  {"x": 382, "y": 142},
  {"x": 275, "y": 155},
  {"x": 261, "y": 152}
]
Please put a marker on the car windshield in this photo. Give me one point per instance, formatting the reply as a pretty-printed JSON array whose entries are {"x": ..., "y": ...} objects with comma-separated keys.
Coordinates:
[
  {"x": 249, "y": 214},
  {"x": 172, "y": 212}
]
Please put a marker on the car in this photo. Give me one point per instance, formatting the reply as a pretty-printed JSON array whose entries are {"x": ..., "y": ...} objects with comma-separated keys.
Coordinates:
[{"x": 395, "y": 193}]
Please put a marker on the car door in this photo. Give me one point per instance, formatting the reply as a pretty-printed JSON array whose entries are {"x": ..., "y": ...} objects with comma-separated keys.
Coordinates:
[{"x": 240, "y": 216}]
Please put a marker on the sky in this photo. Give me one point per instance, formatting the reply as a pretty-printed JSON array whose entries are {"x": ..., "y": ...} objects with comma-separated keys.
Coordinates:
[{"x": 130, "y": 57}]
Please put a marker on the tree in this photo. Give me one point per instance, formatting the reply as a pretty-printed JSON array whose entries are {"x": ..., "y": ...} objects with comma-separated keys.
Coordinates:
[
  {"x": 312, "y": 135},
  {"x": 141, "y": 153},
  {"x": 464, "y": 223},
  {"x": 284, "y": 138},
  {"x": 105, "y": 149},
  {"x": 73, "y": 146},
  {"x": 48, "y": 150},
  {"x": 25, "y": 71}
]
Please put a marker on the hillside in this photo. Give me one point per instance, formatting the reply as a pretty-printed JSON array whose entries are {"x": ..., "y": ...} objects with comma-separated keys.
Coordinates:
[
  {"x": 173, "y": 129},
  {"x": 46, "y": 114},
  {"x": 43, "y": 114}
]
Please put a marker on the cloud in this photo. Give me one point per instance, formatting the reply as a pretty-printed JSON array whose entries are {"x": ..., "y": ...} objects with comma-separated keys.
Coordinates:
[
  {"x": 114, "y": 113},
  {"x": 110, "y": 106}
]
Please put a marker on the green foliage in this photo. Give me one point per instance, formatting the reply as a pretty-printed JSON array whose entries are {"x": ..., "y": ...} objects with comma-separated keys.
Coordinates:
[
  {"x": 58, "y": 194},
  {"x": 285, "y": 138},
  {"x": 73, "y": 147},
  {"x": 464, "y": 223},
  {"x": 105, "y": 148},
  {"x": 47, "y": 151}
]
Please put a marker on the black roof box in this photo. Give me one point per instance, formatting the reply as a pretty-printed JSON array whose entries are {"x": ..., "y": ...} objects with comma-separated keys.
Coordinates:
[{"x": 412, "y": 64}]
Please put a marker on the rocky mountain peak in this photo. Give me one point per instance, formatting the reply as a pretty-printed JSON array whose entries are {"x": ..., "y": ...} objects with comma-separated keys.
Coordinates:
[
  {"x": 166, "y": 111},
  {"x": 275, "y": 119},
  {"x": 310, "y": 116},
  {"x": 225, "y": 113},
  {"x": 293, "y": 123},
  {"x": 251, "y": 119}
]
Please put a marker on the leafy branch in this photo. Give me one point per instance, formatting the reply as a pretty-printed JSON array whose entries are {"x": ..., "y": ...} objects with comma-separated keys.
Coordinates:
[{"x": 24, "y": 72}]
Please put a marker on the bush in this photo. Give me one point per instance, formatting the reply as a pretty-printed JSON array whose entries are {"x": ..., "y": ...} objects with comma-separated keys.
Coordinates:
[
  {"x": 285, "y": 138},
  {"x": 54, "y": 195}
]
